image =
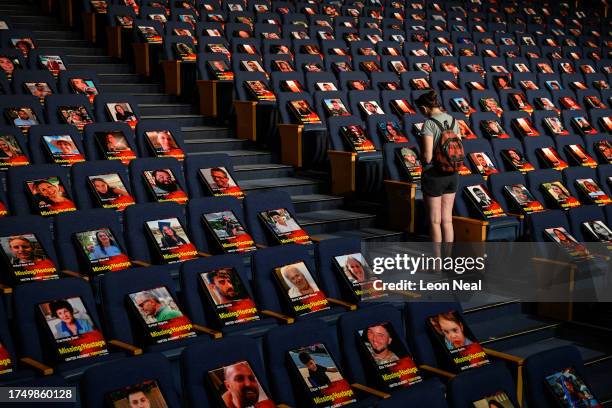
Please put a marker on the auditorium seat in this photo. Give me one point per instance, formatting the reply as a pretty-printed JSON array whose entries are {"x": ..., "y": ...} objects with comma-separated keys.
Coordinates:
[
  {"x": 93, "y": 149},
  {"x": 260, "y": 201},
  {"x": 463, "y": 394},
  {"x": 98, "y": 381},
  {"x": 39, "y": 149},
  {"x": 142, "y": 192}
]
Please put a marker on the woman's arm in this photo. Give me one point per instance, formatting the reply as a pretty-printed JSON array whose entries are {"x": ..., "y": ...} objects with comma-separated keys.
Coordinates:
[{"x": 427, "y": 148}]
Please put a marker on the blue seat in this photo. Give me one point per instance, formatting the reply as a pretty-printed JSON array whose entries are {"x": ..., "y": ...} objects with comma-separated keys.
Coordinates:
[
  {"x": 536, "y": 178},
  {"x": 65, "y": 226},
  {"x": 18, "y": 199},
  {"x": 96, "y": 131},
  {"x": 496, "y": 184},
  {"x": 579, "y": 215},
  {"x": 65, "y": 77},
  {"x": 22, "y": 101},
  {"x": 540, "y": 365},
  {"x": 259, "y": 201},
  {"x": 53, "y": 104},
  {"x": 219, "y": 354},
  {"x": 119, "y": 317},
  {"x": 462, "y": 393},
  {"x": 155, "y": 126},
  {"x": 30, "y": 334},
  {"x": 193, "y": 164},
  {"x": 279, "y": 341},
  {"x": 532, "y": 145},
  {"x": 604, "y": 172},
  {"x": 137, "y": 168},
  {"x": 103, "y": 114},
  {"x": 80, "y": 175},
  {"x": 21, "y": 77},
  {"x": 98, "y": 381},
  {"x": 39, "y": 152},
  {"x": 196, "y": 209}
]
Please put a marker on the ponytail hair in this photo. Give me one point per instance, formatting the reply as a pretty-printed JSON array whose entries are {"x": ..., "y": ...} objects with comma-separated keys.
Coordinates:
[{"x": 429, "y": 100}]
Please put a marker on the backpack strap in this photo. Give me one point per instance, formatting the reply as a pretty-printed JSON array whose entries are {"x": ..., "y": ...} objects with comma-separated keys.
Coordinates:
[{"x": 441, "y": 126}]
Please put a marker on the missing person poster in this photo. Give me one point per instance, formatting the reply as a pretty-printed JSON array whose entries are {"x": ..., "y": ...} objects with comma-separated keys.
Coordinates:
[
  {"x": 219, "y": 182},
  {"x": 567, "y": 242},
  {"x": 162, "y": 144},
  {"x": 283, "y": 227},
  {"x": 497, "y": 400},
  {"x": 228, "y": 296},
  {"x": 569, "y": 390},
  {"x": 551, "y": 158},
  {"x": 171, "y": 241},
  {"x": 236, "y": 385},
  {"x": 6, "y": 363},
  {"x": 515, "y": 159},
  {"x": 410, "y": 163},
  {"x": 388, "y": 356},
  {"x": 522, "y": 199},
  {"x": 164, "y": 186},
  {"x": 559, "y": 195},
  {"x": 161, "y": 318},
  {"x": 483, "y": 202},
  {"x": 592, "y": 192},
  {"x": 300, "y": 289},
  {"x": 357, "y": 276},
  {"x": 114, "y": 146},
  {"x": 48, "y": 196},
  {"x": 228, "y": 232},
  {"x": 61, "y": 149},
  {"x": 101, "y": 251},
  {"x": 597, "y": 231},
  {"x": 26, "y": 259},
  {"x": 71, "y": 329},
  {"x": 146, "y": 394},
  {"x": 322, "y": 381},
  {"x": 456, "y": 341},
  {"x": 110, "y": 192},
  {"x": 577, "y": 154},
  {"x": 11, "y": 153},
  {"x": 357, "y": 139}
]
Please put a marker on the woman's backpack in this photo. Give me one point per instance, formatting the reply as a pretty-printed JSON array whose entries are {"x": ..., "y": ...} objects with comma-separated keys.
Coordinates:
[{"x": 448, "y": 154}]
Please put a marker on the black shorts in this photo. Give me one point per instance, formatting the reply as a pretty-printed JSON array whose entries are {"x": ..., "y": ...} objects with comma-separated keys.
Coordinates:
[{"x": 434, "y": 182}]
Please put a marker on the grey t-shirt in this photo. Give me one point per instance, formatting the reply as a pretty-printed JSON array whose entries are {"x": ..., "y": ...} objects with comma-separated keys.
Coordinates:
[{"x": 431, "y": 128}]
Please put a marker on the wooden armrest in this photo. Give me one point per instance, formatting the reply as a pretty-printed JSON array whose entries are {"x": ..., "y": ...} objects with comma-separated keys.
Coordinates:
[
  {"x": 437, "y": 371},
  {"x": 246, "y": 120},
  {"x": 291, "y": 143},
  {"x": 203, "y": 254},
  {"x": 172, "y": 77},
  {"x": 215, "y": 334},
  {"x": 283, "y": 406},
  {"x": 347, "y": 305},
  {"x": 342, "y": 171},
  {"x": 140, "y": 263},
  {"x": 315, "y": 239},
  {"x": 469, "y": 229},
  {"x": 519, "y": 216},
  {"x": 75, "y": 274},
  {"x": 37, "y": 365},
  {"x": 6, "y": 290},
  {"x": 278, "y": 316},
  {"x": 127, "y": 347},
  {"x": 400, "y": 204},
  {"x": 504, "y": 356},
  {"x": 552, "y": 262},
  {"x": 260, "y": 246},
  {"x": 207, "y": 91},
  {"x": 370, "y": 390}
]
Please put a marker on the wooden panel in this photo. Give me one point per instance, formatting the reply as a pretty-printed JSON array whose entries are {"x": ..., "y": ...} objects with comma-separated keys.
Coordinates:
[
  {"x": 291, "y": 144},
  {"x": 113, "y": 36},
  {"x": 342, "y": 171},
  {"x": 142, "y": 58},
  {"x": 469, "y": 229},
  {"x": 246, "y": 120},
  {"x": 207, "y": 91},
  {"x": 400, "y": 204},
  {"x": 172, "y": 77},
  {"x": 89, "y": 26}
]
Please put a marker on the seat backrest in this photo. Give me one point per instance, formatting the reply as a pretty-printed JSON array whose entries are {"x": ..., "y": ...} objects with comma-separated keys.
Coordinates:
[
  {"x": 571, "y": 174},
  {"x": 192, "y": 291},
  {"x": 105, "y": 107},
  {"x": 222, "y": 353},
  {"x": 259, "y": 201},
  {"x": 330, "y": 280},
  {"x": 463, "y": 206},
  {"x": 358, "y": 367},
  {"x": 39, "y": 152},
  {"x": 135, "y": 217},
  {"x": 21, "y": 101},
  {"x": 264, "y": 262},
  {"x": 496, "y": 184},
  {"x": 65, "y": 227},
  {"x": 55, "y": 103},
  {"x": 81, "y": 187},
  {"x": 115, "y": 289},
  {"x": 335, "y": 124},
  {"x": 579, "y": 215},
  {"x": 26, "y": 300},
  {"x": 196, "y": 209},
  {"x": 193, "y": 164},
  {"x": 427, "y": 394},
  {"x": 96, "y": 131},
  {"x": 418, "y": 335},
  {"x": 540, "y": 365},
  {"x": 102, "y": 379},
  {"x": 532, "y": 144},
  {"x": 65, "y": 76},
  {"x": 137, "y": 168},
  {"x": 279, "y": 341},
  {"x": 539, "y": 222},
  {"x": 21, "y": 77},
  {"x": 146, "y": 137},
  {"x": 19, "y": 200}
]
